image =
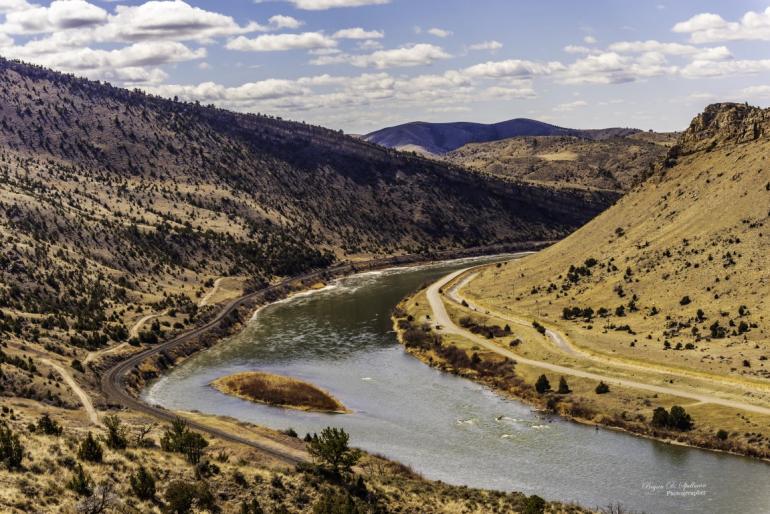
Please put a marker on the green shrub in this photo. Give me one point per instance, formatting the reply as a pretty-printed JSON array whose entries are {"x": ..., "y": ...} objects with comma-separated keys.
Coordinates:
[
  {"x": 180, "y": 439},
  {"x": 77, "y": 365},
  {"x": 332, "y": 502},
  {"x": 602, "y": 388},
  {"x": 116, "y": 433},
  {"x": 81, "y": 482},
  {"x": 47, "y": 426},
  {"x": 677, "y": 419},
  {"x": 534, "y": 505},
  {"x": 11, "y": 449},
  {"x": 143, "y": 484},
  {"x": 90, "y": 450},
  {"x": 332, "y": 451},
  {"x": 181, "y": 495}
]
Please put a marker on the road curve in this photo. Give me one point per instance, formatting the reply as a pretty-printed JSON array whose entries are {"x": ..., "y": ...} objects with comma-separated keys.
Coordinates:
[
  {"x": 447, "y": 326},
  {"x": 134, "y": 332},
  {"x": 113, "y": 380},
  {"x": 85, "y": 400}
]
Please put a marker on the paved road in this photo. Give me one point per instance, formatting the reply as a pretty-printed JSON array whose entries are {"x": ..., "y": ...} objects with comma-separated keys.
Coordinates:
[
  {"x": 113, "y": 386},
  {"x": 442, "y": 319}
]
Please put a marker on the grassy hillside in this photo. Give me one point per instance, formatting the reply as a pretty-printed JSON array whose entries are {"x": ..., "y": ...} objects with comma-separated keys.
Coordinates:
[
  {"x": 671, "y": 283},
  {"x": 615, "y": 163},
  {"x": 115, "y": 205}
]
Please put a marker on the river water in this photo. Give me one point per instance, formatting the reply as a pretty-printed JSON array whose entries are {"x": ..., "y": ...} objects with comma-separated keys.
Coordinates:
[{"x": 445, "y": 427}]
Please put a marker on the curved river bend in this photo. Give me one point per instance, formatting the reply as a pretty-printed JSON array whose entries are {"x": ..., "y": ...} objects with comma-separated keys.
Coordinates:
[{"x": 445, "y": 427}]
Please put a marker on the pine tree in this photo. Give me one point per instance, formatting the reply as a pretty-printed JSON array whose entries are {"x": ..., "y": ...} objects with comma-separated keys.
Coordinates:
[
  {"x": 90, "y": 450},
  {"x": 542, "y": 385}
]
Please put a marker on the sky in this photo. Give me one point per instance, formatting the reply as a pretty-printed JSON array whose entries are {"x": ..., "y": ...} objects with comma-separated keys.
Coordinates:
[{"x": 360, "y": 65}]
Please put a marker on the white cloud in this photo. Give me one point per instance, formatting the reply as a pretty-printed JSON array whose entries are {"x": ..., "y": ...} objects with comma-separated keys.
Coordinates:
[
  {"x": 175, "y": 20},
  {"x": 577, "y": 49},
  {"x": 282, "y": 42},
  {"x": 614, "y": 68},
  {"x": 13, "y": 5},
  {"x": 269, "y": 89},
  {"x": 321, "y": 5},
  {"x": 280, "y": 21},
  {"x": 570, "y": 106},
  {"x": 701, "y": 96},
  {"x": 145, "y": 53},
  {"x": 358, "y": 33},
  {"x": 414, "y": 55},
  {"x": 60, "y": 15},
  {"x": 507, "y": 93},
  {"x": 512, "y": 68},
  {"x": 439, "y": 32},
  {"x": 486, "y": 45},
  {"x": 369, "y": 45},
  {"x": 709, "y": 27},
  {"x": 710, "y": 69},
  {"x": 762, "y": 91},
  {"x": 713, "y": 53},
  {"x": 589, "y": 40}
]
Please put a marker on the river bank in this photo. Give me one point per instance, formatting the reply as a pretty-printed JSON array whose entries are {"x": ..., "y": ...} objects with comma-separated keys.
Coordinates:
[
  {"x": 150, "y": 364},
  {"x": 433, "y": 350}
]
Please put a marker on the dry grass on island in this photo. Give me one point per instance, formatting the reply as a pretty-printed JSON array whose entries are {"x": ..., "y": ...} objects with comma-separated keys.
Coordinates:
[{"x": 279, "y": 391}]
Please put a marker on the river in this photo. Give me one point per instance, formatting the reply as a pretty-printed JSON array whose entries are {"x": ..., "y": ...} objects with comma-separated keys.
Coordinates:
[{"x": 445, "y": 427}]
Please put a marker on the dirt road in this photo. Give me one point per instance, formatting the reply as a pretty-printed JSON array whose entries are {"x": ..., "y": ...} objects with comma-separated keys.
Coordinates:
[
  {"x": 441, "y": 318},
  {"x": 85, "y": 400}
]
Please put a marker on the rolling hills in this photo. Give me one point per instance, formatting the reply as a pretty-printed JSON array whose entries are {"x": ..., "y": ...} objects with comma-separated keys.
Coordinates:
[{"x": 441, "y": 138}]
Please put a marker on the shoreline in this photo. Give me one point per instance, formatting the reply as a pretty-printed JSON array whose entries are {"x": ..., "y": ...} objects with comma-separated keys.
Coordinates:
[
  {"x": 123, "y": 382},
  {"x": 540, "y": 403}
]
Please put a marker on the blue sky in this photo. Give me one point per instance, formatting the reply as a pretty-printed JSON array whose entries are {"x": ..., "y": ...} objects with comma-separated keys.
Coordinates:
[{"x": 359, "y": 65}]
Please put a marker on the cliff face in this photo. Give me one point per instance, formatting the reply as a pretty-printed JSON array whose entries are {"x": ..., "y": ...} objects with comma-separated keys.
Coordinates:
[{"x": 723, "y": 124}]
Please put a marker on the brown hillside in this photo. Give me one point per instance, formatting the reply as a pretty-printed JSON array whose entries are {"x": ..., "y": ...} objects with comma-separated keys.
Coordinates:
[
  {"x": 616, "y": 163},
  {"x": 677, "y": 271},
  {"x": 116, "y": 205}
]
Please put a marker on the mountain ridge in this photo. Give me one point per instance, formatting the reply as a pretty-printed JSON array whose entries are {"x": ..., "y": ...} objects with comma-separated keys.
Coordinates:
[{"x": 441, "y": 138}]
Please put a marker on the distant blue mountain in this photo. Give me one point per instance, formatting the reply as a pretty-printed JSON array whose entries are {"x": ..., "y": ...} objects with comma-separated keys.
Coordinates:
[{"x": 440, "y": 138}]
